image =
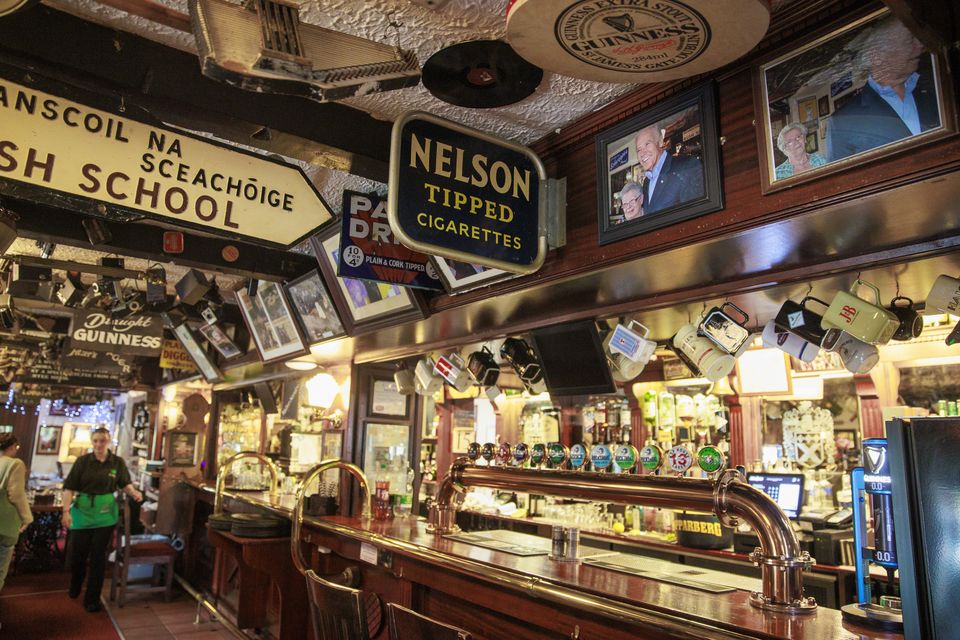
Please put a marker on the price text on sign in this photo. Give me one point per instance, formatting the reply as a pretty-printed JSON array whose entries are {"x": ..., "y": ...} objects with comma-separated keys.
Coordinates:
[
  {"x": 95, "y": 157},
  {"x": 462, "y": 194}
]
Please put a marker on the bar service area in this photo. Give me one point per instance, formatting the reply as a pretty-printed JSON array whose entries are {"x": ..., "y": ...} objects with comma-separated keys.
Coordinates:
[{"x": 439, "y": 320}]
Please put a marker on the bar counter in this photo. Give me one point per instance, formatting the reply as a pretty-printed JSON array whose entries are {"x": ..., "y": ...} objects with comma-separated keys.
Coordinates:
[{"x": 499, "y": 595}]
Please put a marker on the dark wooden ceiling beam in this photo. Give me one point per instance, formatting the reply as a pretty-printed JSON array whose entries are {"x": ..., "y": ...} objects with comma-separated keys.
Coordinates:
[
  {"x": 49, "y": 224},
  {"x": 167, "y": 82}
]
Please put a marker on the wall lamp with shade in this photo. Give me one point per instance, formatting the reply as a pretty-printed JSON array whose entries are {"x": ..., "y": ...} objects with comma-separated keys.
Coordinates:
[{"x": 322, "y": 390}]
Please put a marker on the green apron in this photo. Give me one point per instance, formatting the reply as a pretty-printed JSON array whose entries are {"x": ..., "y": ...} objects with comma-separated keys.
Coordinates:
[
  {"x": 90, "y": 511},
  {"x": 93, "y": 510}
]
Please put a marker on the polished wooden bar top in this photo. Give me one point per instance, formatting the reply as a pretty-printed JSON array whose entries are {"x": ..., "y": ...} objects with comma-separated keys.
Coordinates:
[{"x": 408, "y": 537}]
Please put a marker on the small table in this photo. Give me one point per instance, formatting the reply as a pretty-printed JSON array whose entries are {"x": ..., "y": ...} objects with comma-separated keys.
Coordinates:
[{"x": 40, "y": 542}]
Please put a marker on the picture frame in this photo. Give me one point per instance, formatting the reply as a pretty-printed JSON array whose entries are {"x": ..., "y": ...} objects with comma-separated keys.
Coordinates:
[
  {"x": 354, "y": 298},
  {"x": 314, "y": 308},
  {"x": 217, "y": 337},
  {"x": 209, "y": 370},
  {"x": 269, "y": 318},
  {"x": 459, "y": 277},
  {"x": 853, "y": 123},
  {"x": 676, "y": 142},
  {"x": 181, "y": 448},
  {"x": 386, "y": 400},
  {"x": 48, "y": 440}
]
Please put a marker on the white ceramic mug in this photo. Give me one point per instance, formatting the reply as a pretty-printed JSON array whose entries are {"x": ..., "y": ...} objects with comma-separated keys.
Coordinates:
[
  {"x": 405, "y": 381},
  {"x": 944, "y": 296},
  {"x": 623, "y": 367},
  {"x": 857, "y": 355},
  {"x": 427, "y": 382},
  {"x": 712, "y": 361},
  {"x": 789, "y": 342}
]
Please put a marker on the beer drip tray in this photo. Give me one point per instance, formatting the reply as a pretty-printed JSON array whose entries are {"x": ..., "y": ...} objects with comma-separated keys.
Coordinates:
[
  {"x": 670, "y": 573},
  {"x": 517, "y": 544}
]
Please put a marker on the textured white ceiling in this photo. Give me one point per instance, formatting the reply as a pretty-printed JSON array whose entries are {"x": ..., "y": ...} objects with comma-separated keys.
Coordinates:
[{"x": 559, "y": 101}]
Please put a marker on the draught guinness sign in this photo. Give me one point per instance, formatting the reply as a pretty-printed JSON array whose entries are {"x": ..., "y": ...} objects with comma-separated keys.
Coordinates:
[
  {"x": 99, "y": 331},
  {"x": 462, "y": 194}
]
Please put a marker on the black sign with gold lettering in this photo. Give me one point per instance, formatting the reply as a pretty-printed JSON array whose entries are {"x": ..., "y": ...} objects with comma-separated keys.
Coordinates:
[{"x": 462, "y": 194}]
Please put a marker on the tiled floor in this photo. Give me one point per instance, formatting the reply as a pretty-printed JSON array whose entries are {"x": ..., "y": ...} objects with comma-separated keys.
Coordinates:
[{"x": 148, "y": 617}]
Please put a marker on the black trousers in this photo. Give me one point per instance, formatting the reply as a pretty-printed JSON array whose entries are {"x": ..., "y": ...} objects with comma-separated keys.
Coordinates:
[{"x": 88, "y": 544}]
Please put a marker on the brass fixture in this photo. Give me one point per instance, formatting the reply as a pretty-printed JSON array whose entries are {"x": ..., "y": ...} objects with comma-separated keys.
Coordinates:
[
  {"x": 779, "y": 556},
  {"x": 225, "y": 469},
  {"x": 296, "y": 517}
]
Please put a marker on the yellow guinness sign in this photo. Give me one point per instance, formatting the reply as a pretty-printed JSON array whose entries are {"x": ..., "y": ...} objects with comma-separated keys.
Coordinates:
[{"x": 97, "y": 158}]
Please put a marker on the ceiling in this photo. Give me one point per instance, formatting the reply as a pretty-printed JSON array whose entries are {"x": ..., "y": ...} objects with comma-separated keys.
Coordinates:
[{"x": 558, "y": 102}]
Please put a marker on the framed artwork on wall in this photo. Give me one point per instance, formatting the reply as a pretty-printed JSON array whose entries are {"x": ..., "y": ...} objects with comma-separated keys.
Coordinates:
[
  {"x": 458, "y": 277},
  {"x": 866, "y": 90},
  {"x": 48, "y": 440},
  {"x": 269, "y": 318},
  {"x": 364, "y": 305},
  {"x": 181, "y": 448},
  {"x": 660, "y": 167},
  {"x": 314, "y": 308}
]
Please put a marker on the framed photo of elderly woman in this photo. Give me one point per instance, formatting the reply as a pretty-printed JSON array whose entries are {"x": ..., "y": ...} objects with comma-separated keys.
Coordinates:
[
  {"x": 659, "y": 167},
  {"x": 861, "y": 92}
]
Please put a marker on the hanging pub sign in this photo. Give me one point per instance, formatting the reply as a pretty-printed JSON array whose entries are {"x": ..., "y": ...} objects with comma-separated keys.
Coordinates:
[
  {"x": 140, "y": 335},
  {"x": 68, "y": 154},
  {"x": 459, "y": 193},
  {"x": 174, "y": 356},
  {"x": 79, "y": 358},
  {"x": 369, "y": 250},
  {"x": 44, "y": 372}
]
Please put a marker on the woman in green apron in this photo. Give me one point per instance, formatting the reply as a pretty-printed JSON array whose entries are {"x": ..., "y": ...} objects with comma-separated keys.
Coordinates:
[{"x": 90, "y": 511}]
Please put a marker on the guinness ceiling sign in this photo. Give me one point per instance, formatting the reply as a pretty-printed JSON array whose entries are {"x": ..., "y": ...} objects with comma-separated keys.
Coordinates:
[{"x": 635, "y": 40}]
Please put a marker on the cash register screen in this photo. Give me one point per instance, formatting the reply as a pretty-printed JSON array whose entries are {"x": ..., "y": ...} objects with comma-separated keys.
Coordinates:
[{"x": 786, "y": 489}]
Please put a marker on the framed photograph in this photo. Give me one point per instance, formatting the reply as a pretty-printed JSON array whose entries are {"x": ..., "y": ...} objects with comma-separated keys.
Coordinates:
[
  {"x": 660, "y": 167},
  {"x": 314, "y": 309},
  {"x": 48, "y": 441},
  {"x": 458, "y": 277},
  {"x": 386, "y": 400},
  {"x": 462, "y": 437},
  {"x": 209, "y": 370},
  {"x": 216, "y": 336},
  {"x": 270, "y": 320},
  {"x": 181, "y": 449},
  {"x": 866, "y": 90},
  {"x": 364, "y": 305}
]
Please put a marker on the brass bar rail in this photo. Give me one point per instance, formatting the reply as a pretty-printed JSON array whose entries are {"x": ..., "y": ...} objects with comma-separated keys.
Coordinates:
[
  {"x": 225, "y": 469},
  {"x": 296, "y": 518},
  {"x": 779, "y": 556}
]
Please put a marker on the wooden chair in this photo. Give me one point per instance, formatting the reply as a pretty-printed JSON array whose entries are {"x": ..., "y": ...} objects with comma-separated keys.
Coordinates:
[
  {"x": 405, "y": 624},
  {"x": 340, "y": 612},
  {"x": 131, "y": 551}
]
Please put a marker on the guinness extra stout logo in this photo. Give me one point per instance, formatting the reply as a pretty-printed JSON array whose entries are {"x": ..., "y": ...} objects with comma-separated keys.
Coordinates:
[{"x": 637, "y": 36}]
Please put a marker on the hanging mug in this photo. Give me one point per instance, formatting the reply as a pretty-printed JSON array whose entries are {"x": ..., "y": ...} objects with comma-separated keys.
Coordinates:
[
  {"x": 627, "y": 351},
  {"x": 911, "y": 324},
  {"x": 944, "y": 296},
  {"x": 723, "y": 329},
  {"x": 702, "y": 357},
  {"x": 522, "y": 358},
  {"x": 797, "y": 319},
  {"x": 452, "y": 369},
  {"x": 404, "y": 378},
  {"x": 857, "y": 356},
  {"x": 483, "y": 367},
  {"x": 791, "y": 343},
  {"x": 866, "y": 321},
  {"x": 427, "y": 382}
]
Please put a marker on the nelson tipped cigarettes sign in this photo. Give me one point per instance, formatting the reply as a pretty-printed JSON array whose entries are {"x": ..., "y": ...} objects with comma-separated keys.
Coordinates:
[
  {"x": 460, "y": 193},
  {"x": 57, "y": 151}
]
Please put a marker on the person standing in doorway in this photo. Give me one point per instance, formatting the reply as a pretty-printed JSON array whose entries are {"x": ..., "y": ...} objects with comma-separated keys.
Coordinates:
[{"x": 90, "y": 512}]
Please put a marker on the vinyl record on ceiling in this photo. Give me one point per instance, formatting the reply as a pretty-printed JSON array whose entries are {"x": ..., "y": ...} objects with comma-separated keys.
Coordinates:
[
  {"x": 635, "y": 41},
  {"x": 480, "y": 74}
]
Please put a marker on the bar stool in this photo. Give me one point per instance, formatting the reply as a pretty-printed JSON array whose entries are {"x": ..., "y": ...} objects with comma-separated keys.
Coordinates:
[
  {"x": 405, "y": 624},
  {"x": 340, "y": 612}
]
